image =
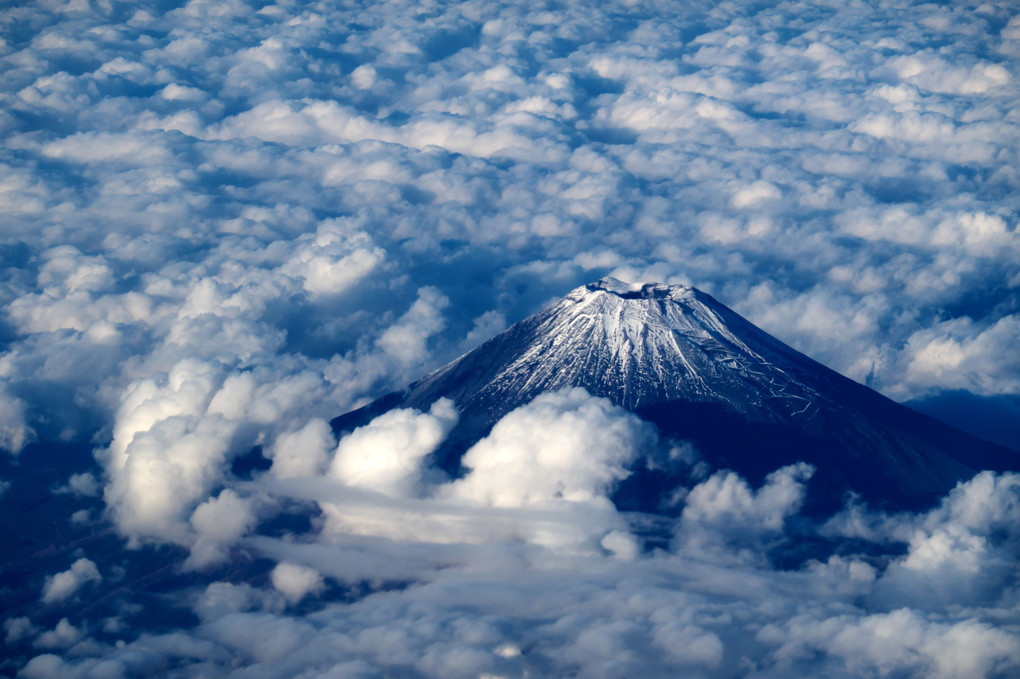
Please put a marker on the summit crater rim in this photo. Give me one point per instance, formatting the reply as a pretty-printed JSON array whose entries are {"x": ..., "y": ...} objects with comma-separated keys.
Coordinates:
[{"x": 652, "y": 290}]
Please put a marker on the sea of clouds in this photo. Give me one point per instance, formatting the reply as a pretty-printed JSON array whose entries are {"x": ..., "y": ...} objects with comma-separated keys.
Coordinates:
[{"x": 223, "y": 223}]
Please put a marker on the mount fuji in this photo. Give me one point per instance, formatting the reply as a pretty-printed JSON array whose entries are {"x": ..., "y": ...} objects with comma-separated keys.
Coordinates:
[{"x": 705, "y": 376}]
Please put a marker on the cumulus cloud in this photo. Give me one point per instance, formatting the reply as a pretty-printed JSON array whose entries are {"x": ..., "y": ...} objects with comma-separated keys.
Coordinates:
[
  {"x": 66, "y": 583},
  {"x": 14, "y": 431},
  {"x": 218, "y": 523},
  {"x": 164, "y": 457},
  {"x": 303, "y": 452},
  {"x": 227, "y": 223},
  {"x": 295, "y": 581},
  {"x": 387, "y": 455},
  {"x": 64, "y": 634},
  {"x": 405, "y": 339},
  {"x": 963, "y": 551},
  {"x": 16, "y": 629},
  {"x": 84, "y": 484},
  {"x": 723, "y": 508},
  {"x": 961, "y": 354},
  {"x": 564, "y": 445},
  {"x": 334, "y": 259},
  {"x": 505, "y": 608},
  {"x": 904, "y": 641},
  {"x": 556, "y": 460}
]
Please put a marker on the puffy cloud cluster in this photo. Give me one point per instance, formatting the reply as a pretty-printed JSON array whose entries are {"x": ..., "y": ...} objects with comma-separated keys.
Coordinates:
[
  {"x": 386, "y": 455},
  {"x": 963, "y": 552},
  {"x": 66, "y": 583},
  {"x": 564, "y": 445},
  {"x": 14, "y": 432},
  {"x": 543, "y": 475},
  {"x": 227, "y": 222},
  {"x": 270, "y": 177},
  {"x": 295, "y": 581},
  {"x": 724, "y": 509},
  {"x": 916, "y": 595}
]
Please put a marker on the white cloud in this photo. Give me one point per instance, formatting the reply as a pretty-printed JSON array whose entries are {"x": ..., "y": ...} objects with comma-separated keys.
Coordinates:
[
  {"x": 903, "y": 641},
  {"x": 164, "y": 456},
  {"x": 14, "y": 431},
  {"x": 387, "y": 454},
  {"x": 723, "y": 508},
  {"x": 405, "y": 340},
  {"x": 566, "y": 445},
  {"x": 303, "y": 452},
  {"x": 543, "y": 475},
  {"x": 226, "y": 224},
  {"x": 66, "y": 583},
  {"x": 218, "y": 524},
  {"x": 64, "y": 634},
  {"x": 504, "y": 609},
  {"x": 296, "y": 581},
  {"x": 17, "y": 629},
  {"x": 960, "y": 354},
  {"x": 754, "y": 195},
  {"x": 224, "y": 598},
  {"x": 962, "y": 552},
  {"x": 84, "y": 485}
]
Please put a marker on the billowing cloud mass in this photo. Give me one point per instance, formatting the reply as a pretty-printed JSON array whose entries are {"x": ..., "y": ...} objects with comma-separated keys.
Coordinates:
[
  {"x": 724, "y": 509},
  {"x": 225, "y": 223},
  {"x": 66, "y": 583},
  {"x": 387, "y": 454},
  {"x": 564, "y": 445},
  {"x": 295, "y": 581}
]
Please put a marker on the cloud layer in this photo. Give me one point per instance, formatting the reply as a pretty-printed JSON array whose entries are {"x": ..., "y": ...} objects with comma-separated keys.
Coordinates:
[
  {"x": 227, "y": 222},
  {"x": 499, "y": 573}
]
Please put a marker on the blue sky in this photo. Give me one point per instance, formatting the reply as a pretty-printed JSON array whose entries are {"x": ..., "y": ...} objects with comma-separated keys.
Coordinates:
[{"x": 226, "y": 222}]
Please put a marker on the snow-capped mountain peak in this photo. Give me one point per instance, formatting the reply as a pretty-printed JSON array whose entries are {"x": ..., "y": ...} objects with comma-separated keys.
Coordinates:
[
  {"x": 683, "y": 361},
  {"x": 637, "y": 345}
]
